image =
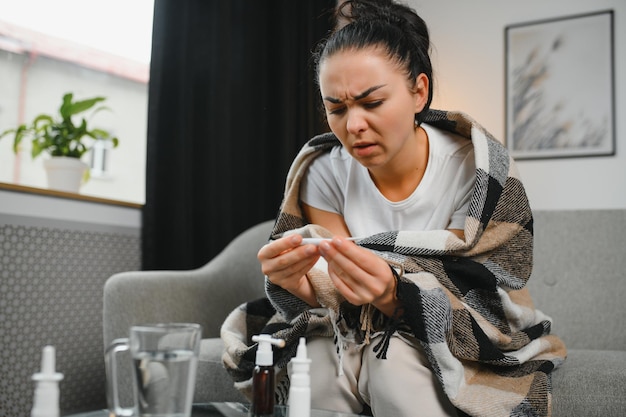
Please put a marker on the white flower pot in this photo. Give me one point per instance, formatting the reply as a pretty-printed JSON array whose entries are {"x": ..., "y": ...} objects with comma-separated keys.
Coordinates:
[{"x": 64, "y": 173}]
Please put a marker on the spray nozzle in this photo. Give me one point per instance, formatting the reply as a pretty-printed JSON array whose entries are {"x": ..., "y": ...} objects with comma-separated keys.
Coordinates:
[
  {"x": 301, "y": 360},
  {"x": 301, "y": 352},
  {"x": 264, "y": 356},
  {"x": 48, "y": 372}
]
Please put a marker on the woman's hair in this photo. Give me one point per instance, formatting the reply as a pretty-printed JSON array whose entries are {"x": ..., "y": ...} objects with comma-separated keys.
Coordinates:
[{"x": 395, "y": 28}]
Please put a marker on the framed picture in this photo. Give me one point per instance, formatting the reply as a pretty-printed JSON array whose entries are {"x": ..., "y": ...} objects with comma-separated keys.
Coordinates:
[{"x": 560, "y": 87}]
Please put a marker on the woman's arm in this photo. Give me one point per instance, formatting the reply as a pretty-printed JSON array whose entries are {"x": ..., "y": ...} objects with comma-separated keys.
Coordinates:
[{"x": 332, "y": 222}]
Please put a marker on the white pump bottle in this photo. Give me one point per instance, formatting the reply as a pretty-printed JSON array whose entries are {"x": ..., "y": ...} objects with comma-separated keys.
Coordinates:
[
  {"x": 300, "y": 383},
  {"x": 46, "y": 399}
]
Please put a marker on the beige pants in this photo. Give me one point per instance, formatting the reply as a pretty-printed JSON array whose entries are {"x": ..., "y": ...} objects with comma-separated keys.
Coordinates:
[{"x": 403, "y": 385}]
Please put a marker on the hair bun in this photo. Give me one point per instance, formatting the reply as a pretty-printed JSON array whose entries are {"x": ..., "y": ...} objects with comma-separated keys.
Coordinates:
[{"x": 387, "y": 11}]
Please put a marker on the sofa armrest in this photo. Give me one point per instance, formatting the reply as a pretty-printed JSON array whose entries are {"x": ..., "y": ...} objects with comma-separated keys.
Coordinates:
[{"x": 205, "y": 295}]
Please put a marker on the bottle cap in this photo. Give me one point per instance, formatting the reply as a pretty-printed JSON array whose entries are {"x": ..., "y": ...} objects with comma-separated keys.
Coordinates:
[
  {"x": 48, "y": 372},
  {"x": 264, "y": 355},
  {"x": 301, "y": 360}
]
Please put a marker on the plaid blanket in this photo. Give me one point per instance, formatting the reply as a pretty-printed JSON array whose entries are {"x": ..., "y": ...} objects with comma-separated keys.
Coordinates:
[{"x": 465, "y": 300}]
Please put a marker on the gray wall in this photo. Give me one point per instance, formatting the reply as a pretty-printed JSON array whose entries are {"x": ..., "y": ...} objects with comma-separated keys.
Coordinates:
[{"x": 52, "y": 272}]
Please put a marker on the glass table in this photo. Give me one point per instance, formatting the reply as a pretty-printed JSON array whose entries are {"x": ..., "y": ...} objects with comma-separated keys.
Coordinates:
[{"x": 226, "y": 410}]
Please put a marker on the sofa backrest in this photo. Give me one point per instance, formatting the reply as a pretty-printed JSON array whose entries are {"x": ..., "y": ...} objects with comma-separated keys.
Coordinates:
[
  {"x": 579, "y": 275},
  {"x": 239, "y": 279}
]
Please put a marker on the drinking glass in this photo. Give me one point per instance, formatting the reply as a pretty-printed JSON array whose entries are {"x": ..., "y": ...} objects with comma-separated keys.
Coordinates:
[{"x": 164, "y": 362}]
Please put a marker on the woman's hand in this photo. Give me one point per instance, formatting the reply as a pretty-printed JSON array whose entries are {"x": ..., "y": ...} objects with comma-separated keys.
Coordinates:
[
  {"x": 286, "y": 261},
  {"x": 360, "y": 275}
]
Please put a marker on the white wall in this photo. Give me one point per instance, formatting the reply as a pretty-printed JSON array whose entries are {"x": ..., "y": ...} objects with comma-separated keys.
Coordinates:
[
  {"x": 46, "y": 211},
  {"x": 468, "y": 59}
]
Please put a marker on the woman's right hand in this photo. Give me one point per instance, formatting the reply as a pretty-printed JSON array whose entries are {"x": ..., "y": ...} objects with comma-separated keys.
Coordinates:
[{"x": 286, "y": 261}]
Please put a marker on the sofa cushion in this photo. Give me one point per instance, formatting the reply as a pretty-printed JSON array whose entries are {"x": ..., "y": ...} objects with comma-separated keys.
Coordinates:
[{"x": 590, "y": 383}]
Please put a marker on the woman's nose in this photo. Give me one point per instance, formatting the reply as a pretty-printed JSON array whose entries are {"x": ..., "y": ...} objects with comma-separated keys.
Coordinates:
[{"x": 356, "y": 122}]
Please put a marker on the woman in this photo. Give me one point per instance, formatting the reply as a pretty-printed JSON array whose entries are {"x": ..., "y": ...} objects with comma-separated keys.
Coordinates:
[{"x": 426, "y": 311}]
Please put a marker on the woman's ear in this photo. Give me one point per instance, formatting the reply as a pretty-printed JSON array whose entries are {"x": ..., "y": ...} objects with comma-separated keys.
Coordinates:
[{"x": 421, "y": 92}]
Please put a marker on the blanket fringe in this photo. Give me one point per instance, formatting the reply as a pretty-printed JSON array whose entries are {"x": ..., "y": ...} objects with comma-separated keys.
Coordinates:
[
  {"x": 366, "y": 322},
  {"x": 337, "y": 339},
  {"x": 381, "y": 348}
]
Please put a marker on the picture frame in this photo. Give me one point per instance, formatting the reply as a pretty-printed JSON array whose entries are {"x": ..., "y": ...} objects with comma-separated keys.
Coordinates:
[{"x": 560, "y": 99}]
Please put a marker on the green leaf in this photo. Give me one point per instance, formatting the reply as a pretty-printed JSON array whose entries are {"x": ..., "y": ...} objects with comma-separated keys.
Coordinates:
[
  {"x": 36, "y": 149},
  {"x": 99, "y": 109},
  {"x": 81, "y": 106},
  {"x": 100, "y": 134},
  {"x": 6, "y": 132},
  {"x": 65, "y": 105},
  {"x": 20, "y": 132},
  {"x": 42, "y": 118}
]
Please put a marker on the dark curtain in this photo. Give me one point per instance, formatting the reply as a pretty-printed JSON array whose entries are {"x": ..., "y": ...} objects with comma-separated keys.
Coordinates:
[{"x": 232, "y": 99}]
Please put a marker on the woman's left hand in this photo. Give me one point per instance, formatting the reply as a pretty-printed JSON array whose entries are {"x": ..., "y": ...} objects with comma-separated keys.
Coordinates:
[{"x": 359, "y": 275}]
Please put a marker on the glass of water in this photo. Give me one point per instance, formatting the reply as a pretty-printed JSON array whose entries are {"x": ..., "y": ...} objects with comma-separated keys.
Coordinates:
[{"x": 164, "y": 361}]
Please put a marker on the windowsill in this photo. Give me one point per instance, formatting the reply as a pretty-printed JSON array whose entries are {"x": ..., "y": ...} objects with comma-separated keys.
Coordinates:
[{"x": 66, "y": 195}]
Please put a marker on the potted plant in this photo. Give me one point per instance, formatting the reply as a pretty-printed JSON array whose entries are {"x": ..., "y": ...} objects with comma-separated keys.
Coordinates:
[{"x": 65, "y": 141}]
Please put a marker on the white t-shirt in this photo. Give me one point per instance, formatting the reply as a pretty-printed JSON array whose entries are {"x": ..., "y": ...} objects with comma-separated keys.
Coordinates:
[{"x": 337, "y": 183}]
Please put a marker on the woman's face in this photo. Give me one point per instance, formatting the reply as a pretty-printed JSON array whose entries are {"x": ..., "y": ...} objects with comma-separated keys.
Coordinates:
[{"x": 370, "y": 105}]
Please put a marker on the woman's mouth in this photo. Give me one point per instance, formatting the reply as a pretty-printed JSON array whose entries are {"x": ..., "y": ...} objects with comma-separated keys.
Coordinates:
[{"x": 363, "y": 149}]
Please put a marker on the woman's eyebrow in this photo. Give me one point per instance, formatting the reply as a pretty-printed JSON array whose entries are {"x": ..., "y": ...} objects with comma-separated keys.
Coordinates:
[{"x": 357, "y": 97}]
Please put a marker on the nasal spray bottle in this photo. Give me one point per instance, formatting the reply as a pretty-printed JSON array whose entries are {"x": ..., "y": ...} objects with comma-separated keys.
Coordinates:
[
  {"x": 263, "y": 378},
  {"x": 300, "y": 383},
  {"x": 46, "y": 399}
]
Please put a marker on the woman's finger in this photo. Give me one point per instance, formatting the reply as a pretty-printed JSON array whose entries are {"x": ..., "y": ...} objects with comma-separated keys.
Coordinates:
[
  {"x": 281, "y": 275},
  {"x": 359, "y": 274},
  {"x": 276, "y": 247},
  {"x": 349, "y": 257}
]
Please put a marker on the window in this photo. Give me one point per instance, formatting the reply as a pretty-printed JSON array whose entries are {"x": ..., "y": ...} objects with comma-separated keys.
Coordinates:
[
  {"x": 95, "y": 48},
  {"x": 99, "y": 160}
]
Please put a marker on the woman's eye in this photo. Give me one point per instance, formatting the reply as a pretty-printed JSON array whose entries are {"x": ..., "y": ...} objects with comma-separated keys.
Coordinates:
[
  {"x": 372, "y": 104},
  {"x": 336, "y": 111}
]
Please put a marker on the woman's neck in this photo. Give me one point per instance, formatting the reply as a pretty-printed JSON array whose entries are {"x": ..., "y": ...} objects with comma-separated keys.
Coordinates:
[{"x": 399, "y": 179}]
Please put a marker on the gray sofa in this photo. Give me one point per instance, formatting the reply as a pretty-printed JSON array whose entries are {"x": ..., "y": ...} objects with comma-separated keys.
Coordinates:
[{"x": 578, "y": 279}]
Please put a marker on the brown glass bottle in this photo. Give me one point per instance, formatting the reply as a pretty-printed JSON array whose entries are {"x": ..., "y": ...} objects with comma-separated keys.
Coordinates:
[{"x": 263, "y": 386}]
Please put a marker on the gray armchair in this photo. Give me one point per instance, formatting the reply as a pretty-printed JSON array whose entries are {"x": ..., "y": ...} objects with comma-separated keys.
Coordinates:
[
  {"x": 578, "y": 279},
  {"x": 205, "y": 295}
]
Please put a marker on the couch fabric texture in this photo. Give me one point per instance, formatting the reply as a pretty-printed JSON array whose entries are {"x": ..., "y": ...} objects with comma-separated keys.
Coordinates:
[{"x": 578, "y": 279}]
